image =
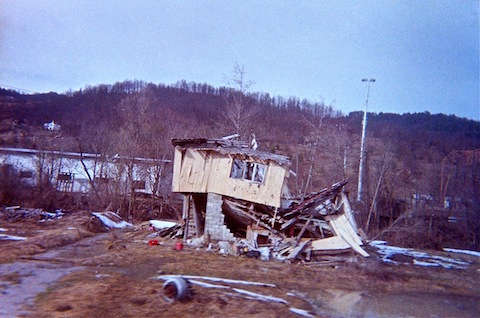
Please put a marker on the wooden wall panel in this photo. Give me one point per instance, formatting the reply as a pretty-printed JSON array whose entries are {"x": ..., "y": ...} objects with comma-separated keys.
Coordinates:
[{"x": 202, "y": 172}]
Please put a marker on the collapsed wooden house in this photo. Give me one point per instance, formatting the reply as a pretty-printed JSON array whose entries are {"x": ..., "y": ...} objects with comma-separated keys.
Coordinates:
[{"x": 238, "y": 194}]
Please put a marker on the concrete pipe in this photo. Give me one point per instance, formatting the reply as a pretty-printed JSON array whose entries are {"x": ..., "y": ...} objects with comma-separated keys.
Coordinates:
[{"x": 176, "y": 289}]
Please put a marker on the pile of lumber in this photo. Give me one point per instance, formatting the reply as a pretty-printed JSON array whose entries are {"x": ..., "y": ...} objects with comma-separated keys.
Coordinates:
[
  {"x": 175, "y": 231},
  {"x": 320, "y": 224},
  {"x": 18, "y": 213}
]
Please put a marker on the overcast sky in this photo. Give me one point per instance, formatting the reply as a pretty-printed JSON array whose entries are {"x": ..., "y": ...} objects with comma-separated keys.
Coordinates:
[{"x": 423, "y": 54}]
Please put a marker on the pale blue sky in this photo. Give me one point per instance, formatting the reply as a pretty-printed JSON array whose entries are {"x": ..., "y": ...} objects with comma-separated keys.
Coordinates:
[{"x": 423, "y": 54}]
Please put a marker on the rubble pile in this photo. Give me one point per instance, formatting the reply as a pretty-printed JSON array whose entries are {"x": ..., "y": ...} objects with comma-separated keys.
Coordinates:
[
  {"x": 176, "y": 231},
  {"x": 316, "y": 229},
  {"x": 240, "y": 195},
  {"x": 18, "y": 213},
  {"x": 314, "y": 226}
]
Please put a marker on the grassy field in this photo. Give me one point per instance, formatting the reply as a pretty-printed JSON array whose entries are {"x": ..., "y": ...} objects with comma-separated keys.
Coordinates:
[{"x": 115, "y": 274}]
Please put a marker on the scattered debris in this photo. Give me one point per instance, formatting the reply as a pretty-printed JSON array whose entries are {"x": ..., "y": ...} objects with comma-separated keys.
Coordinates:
[
  {"x": 178, "y": 246},
  {"x": 472, "y": 253},
  {"x": 228, "y": 248},
  {"x": 52, "y": 126},
  {"x": 171, "y": 232},
  {"x": 153, "y": 242},
  {"x": 111, "y": 220},
  {"x": 176, "y": 285},
  {"x": 400, "y": 255},
  {"x": 158, "y": 224},
  {"x": 17, "y": 213},
  {"x": 12, "y": 237},
  {"x": 176, "y": 288}
]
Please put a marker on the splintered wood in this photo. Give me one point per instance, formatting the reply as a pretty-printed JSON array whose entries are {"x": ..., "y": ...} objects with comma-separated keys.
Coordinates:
[
  {"x": 247, "y": 203},
  {"x": 317, "y": 225}
]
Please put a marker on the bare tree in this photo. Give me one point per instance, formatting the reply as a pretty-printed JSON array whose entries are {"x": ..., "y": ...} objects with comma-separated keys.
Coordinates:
[
  {"x": 145, "y": 130},
  {"x": 460, "y": 190},
  {"x": 316, "y": 140},
  {"x": 135, "y": 114},
  {"x": 328, "y": 144},
  {"x": 96, "y": 137},
  {"x": 240, "y": 110},
  {"x": 384, "y": 165}
]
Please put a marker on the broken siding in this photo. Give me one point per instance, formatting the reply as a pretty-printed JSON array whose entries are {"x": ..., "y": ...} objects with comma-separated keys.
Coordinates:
[
  {"x": 201, "y": 171},
  {"x": 189, "y": 175},
  {"x": 177, "y": 166}
]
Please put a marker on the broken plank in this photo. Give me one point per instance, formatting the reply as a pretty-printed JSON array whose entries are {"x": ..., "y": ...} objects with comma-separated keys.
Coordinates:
[
  {"x": 297, "y": 250},
  {"x": 341, "y": 221},
  {"x": 330, "y": 243},
  {"x": 299, "y": 236},
  {"x": 347, "y": 209},
  {"x": 285, "y": 250},
  {"x": 289, "y": 223},
  {"x": 341, "y": 229},
  {"x": 259, "y": 222},
  {"x": 217, "y": 279}
]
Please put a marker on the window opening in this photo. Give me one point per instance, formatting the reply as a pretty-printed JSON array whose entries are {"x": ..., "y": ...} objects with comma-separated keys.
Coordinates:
[
  {"x": 237, "y": 169},
  {"x": 248, "y": 171}
]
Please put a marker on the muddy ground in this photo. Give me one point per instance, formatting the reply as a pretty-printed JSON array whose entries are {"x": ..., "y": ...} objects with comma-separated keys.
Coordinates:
[{"x": 65, "y": 268}]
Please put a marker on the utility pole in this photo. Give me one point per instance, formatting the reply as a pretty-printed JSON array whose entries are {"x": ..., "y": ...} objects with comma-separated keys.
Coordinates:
[{"x": 362, "y": 147}]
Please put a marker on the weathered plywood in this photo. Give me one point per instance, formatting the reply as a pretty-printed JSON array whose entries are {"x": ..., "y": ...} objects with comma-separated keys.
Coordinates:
[
  {"x": 343, "y": 228},
  {"x": 191, "y": 175},
  {"x": 330, "y": 243},
  {"x": 177, "y": 166},
  {"x": 204, "y": 172},
  {"x": 348, "y": 211},
  {"x": 340, "y": 221},
  {"x": 268, "y": 192}
]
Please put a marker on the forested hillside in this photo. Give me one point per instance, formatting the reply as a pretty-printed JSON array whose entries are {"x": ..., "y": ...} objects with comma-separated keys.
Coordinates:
[{"x": 422, "y": 173}]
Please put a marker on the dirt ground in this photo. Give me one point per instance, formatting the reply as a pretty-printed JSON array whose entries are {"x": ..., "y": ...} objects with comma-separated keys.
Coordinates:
[{"x": 65, "y": 269}]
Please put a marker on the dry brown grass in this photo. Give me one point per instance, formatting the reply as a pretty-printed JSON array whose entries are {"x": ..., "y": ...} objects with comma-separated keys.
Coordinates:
[{"x": 118, "y": 271}]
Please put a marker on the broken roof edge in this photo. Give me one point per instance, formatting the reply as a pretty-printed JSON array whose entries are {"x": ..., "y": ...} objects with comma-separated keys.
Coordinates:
[
  {"x": 192, "y": 142},
  {"x": 230, "y": 147}
]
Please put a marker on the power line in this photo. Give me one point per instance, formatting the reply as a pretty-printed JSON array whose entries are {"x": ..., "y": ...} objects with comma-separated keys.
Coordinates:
[{"x": 17, "y": 88}]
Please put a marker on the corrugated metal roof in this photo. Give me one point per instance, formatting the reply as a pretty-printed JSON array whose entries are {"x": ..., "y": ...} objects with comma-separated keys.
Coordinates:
[{"x": 77, "y": 155}]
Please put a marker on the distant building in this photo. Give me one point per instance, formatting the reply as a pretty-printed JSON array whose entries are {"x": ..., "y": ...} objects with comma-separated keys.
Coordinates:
[
  {"x": 52, "y": 126},
  {"x": 75, "y": 172}
]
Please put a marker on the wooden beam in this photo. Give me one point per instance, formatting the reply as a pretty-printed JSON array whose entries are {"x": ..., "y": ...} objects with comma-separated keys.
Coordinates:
[
  {"x": 297, "y": 250},
  {"x": 186, "y": 215},
  {"x": 299, "y": 236},
  {"x": 197, "y": 211},
  {"x": 258, "y": 222}
]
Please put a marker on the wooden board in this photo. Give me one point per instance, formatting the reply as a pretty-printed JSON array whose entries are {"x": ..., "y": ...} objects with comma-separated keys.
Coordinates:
[
  {"x": 330, "y": 243},
  {"x": 342, "y": 228}
]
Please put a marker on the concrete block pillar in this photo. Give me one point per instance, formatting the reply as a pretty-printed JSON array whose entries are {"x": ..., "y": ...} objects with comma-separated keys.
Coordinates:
[{"x": 215, "y": 219}]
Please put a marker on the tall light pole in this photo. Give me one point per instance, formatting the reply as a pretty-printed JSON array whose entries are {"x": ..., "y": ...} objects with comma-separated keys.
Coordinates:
[{"x": 362, "y": 147}]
